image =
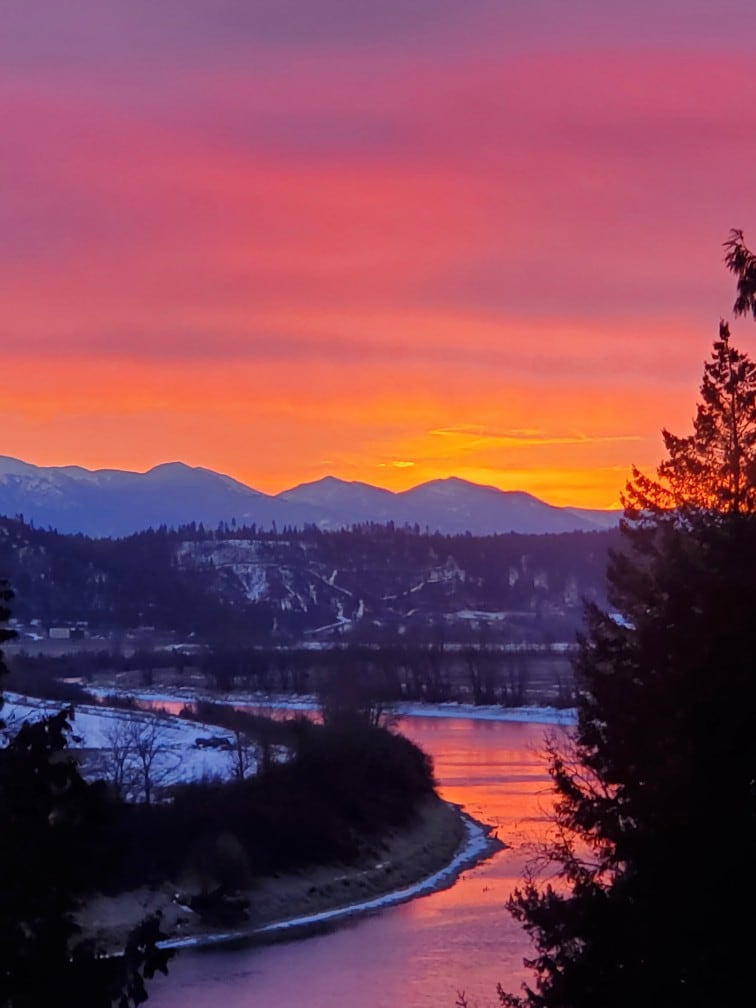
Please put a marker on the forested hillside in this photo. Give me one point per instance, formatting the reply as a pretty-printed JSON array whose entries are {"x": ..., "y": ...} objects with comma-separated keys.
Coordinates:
[{"x": 361, "y": 584}]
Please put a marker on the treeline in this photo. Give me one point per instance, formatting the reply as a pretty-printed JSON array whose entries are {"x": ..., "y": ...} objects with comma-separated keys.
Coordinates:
[
  {"x": 65, "y": 838},
  {"x": 340, "y": 788},
  {"x": 428, "y": 670},
  {"x": 65, "y": 579}
]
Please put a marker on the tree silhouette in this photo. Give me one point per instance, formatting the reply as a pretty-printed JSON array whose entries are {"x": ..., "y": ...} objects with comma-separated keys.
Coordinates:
[
  {"x": 151, "y": 757},
  {"x": 713, "y": 470},
  {"x": 51, "y": 822},
  {"x": 628, "y": 916},
  {"x": 742, "y": 262},
  {"x": 6, "y": 634}
]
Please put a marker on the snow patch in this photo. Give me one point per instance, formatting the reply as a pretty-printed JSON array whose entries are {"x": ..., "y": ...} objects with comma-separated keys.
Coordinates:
[{"x": 183, "y": 758}]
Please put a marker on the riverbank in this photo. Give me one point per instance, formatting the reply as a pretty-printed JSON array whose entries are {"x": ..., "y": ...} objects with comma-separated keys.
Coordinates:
[
  {"x": 427, "y": 856},
  {"x": 294, "y": 704}
]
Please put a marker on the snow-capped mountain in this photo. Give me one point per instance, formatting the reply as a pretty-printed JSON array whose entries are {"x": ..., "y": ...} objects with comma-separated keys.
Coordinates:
[
  {"x": 111, "y": 502},
  {"x": 458, "y": 506},
  {"x": 339, "y": 502}
]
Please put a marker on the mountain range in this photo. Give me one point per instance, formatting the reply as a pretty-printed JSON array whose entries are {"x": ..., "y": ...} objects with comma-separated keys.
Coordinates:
[{"x": 115, "y": 503}]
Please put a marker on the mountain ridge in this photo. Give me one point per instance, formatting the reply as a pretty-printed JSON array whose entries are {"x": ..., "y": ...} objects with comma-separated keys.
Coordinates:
[{"x": 114, "y": 502}]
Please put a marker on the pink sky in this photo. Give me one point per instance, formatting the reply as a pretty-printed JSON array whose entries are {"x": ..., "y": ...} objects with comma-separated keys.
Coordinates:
[{"x": 384, "y": 241}]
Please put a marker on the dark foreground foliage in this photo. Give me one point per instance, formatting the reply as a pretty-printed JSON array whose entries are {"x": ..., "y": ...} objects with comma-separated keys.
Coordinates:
[
  {"x": 658, "y": 789},
  {"x": 656, "y": 803},
  {"x": 64, "y": 838},
  {"x": 316, "y": 808},
  {"x": 52, "y": 843}
]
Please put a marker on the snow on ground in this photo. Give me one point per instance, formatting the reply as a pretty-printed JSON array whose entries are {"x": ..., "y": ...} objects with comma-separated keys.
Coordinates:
[
  {"x": 182, "y": 760},
  {"x": 494, "y": 712},
  {"x": 181, "y": 755},
  {"x": 284, "y": 702},
  {"x": 187, "y": 751}
]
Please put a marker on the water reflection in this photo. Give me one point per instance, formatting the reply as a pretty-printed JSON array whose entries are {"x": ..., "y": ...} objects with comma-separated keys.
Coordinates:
[{"x": 419, "y": 953}]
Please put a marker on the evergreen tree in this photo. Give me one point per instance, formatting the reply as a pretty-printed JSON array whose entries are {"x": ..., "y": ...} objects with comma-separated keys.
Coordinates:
[
  {"x": 742, "y": 262},
  {"x": 51, "y": 818},
  {"x": 657, "y": 779},
  {"x": 6, "y": 634},
  {"x": 713, "y": 470}
]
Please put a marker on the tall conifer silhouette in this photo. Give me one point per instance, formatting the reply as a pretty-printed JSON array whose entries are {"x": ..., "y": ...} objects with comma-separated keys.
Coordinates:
[{"x": 663, "y": 753}]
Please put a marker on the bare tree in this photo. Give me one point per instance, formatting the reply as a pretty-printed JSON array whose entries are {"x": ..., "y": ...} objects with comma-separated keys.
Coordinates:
[
  {"x": 118, "y": 757},
  {"x": 152, "y": 757},
  {"x": 351, "y": 695},
  {"x": 244, "y": 755},
  {"x": 483, "y": 669},
  {"x": 438, "y": 685},
  {"x": 516, "y": 678}
]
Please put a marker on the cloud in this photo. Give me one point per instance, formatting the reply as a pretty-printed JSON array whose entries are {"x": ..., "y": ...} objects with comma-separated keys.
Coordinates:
[
  {"x": 118, "y": 34},
  {"x": 456, "y": 234},
  {"x": 541, "y": 186},
  {"x": 478, "y": 438}
]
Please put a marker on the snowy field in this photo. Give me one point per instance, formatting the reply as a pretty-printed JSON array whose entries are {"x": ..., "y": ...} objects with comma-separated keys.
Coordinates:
[
  {"x": 113, "y": 744},
  {"x": 183, "y": 750},
  {"x": 189, "y": 751}
]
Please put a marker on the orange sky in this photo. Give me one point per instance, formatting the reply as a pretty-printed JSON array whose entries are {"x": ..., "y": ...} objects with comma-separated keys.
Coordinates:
[{"x": 286, "y": 240}]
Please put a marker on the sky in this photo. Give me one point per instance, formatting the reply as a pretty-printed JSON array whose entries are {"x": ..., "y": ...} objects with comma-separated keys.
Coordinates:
[{"x": 388, "y": 241}]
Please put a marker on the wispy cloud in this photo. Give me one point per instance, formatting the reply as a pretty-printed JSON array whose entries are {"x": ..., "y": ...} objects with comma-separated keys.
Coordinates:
[{"x": 472, "y": 437}]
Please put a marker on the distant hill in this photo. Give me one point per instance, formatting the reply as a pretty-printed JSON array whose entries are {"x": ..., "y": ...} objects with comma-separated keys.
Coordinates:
[
  {"x": 114, "y": 503},
  {"x": 372, "y": 583}
]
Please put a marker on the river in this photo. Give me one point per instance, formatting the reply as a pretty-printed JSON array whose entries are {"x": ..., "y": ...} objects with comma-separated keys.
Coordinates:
[{"x": 422, "y": 952}]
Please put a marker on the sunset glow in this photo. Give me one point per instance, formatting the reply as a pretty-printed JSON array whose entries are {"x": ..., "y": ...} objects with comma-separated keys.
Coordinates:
[{"x": 386, "y": 242}]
